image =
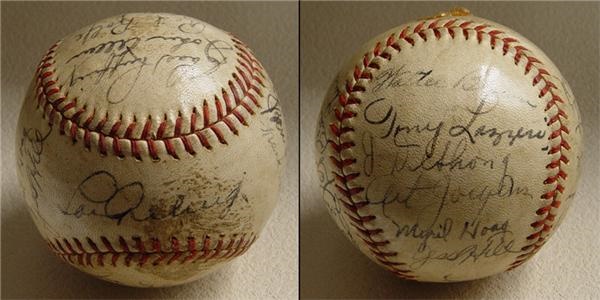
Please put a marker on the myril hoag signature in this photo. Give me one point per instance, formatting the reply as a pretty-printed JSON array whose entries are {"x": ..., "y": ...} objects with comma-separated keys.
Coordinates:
[{"x": 100, "y": 194}]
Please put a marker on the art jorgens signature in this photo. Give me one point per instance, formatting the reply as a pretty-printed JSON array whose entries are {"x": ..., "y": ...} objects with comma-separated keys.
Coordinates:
[
  {"x": 446, "y": 192},
  {"x": 105, "y": 197}
]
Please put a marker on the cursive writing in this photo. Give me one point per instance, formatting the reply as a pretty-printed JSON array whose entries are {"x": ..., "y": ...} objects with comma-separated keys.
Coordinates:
[
  {"x": 31, "y": 148},
  {"x": 497, "y": 244},
  {"x": 411, "y": 135},
  {"x": 180, "y": 41},
  {"x": 122, "y": 64},
  {"x": 104, "y": 196},
  {"x": 275, "y": 130},
  {"x": 117, "y": 27},
  {"x": 403, "y": 77}
]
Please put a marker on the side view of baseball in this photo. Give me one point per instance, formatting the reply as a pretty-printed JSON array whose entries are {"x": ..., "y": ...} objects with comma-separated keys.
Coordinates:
[
  {"x": 449, "y": 149},
  {"x": 150, "y": 148}
]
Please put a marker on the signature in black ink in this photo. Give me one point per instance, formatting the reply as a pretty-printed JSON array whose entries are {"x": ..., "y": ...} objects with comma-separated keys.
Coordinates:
[
  {"x": 105, "y": 197},
  {"x": 497, "y": 244},
  {"x": 109, "y": 47},
  {"x": 492, "y": 132},
  {"x": 410, "y": 135},
  {"x": 477, "y": 229},
  {"x": 439, "y": 195},
  {"x": 121, "y": 26},
  {"x": 424, "y": 234},
  {"x": 182, "y": 61},
  {"x": 215, "y": 53},
  {"x": 181, "y": 41},
  {"x": 402, "y": 77},
  {"x": 159, "y": 21},
  {"x": 123, "y": 67},
  {"x": 30, "y": 156},
  {"x": 274, "y": 111},
  {"x": 113, "y": 63},
  {"x": 122, "y": 64},
  {"x": 95, "y": 30},
  {"x": 191, "y": 27}
]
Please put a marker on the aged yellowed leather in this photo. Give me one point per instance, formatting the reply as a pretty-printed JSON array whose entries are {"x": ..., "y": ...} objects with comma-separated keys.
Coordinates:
[
  {"x": 149, "y": 148},
  {"x": 449, "y": 149}
]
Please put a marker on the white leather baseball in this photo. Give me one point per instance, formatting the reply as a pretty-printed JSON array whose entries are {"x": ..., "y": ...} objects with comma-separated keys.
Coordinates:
[
  {"x": 149, "y": 148},
  {"x": 449, "y": 149}
]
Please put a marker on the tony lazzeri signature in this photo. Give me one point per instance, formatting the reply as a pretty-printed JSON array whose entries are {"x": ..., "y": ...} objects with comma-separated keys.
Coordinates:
[{"x": 101, "y": 195}]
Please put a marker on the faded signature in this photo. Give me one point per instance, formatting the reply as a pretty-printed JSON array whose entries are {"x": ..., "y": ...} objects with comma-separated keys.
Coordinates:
[
  {"x": 274, "y": 131},
  {"x": 496, "y": 244},
  {"x": 123, "y": 65},
  {"x": 417, "y": 171},
  {"x": 105, "y": 197},
  {"x": 30, "y": 156}
]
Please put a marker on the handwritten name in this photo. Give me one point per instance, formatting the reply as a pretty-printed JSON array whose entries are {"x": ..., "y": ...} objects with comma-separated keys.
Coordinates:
[
  {"x": 426, "y": 135},
  {"x": 123, "y": 65},
  {"x": 105, "y": 197},
  {"x": 497, "y": 244},
  {"x": 31, "y": 148},
  {"x": 403, "y": 77}
]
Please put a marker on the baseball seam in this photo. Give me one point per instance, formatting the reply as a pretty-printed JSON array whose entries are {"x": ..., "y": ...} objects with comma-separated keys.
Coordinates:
[
  {"x": 342, "y": 157},
  {"x": 151, "y": 251},
  {"x": 232, "y": 109}
]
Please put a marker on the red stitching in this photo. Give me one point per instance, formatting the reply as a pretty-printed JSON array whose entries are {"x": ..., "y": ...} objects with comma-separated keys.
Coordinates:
[
  {"x": 341, "y": 127},
  {"x": 139, "y": 252},
  {"x": 245, "y": 83}
]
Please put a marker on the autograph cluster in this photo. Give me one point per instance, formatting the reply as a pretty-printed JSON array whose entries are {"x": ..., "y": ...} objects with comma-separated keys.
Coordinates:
[{"x": 189, "y": 56}]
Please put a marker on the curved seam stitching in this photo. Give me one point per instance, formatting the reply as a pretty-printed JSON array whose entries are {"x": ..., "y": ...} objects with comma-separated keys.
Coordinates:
[
  {"x": 46, "y": 87},
  {"x": 363, "y": 73},
  {"x": 211, "y": 249}
]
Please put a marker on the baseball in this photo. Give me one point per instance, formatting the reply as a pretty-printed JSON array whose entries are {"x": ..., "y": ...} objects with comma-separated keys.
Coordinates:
[
  {"x": 149, "y": 149},
  {"x": 449, "y": 149}
]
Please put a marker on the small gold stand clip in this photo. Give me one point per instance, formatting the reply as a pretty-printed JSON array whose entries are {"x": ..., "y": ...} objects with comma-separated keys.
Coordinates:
[{"x": 457, "y": 11}]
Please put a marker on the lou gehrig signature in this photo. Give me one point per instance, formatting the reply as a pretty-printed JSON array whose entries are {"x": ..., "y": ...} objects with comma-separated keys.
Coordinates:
[{"x": 105, "y": 197}]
